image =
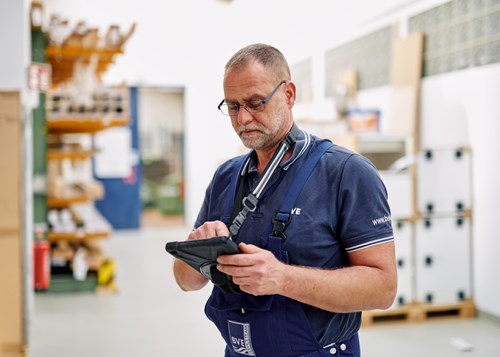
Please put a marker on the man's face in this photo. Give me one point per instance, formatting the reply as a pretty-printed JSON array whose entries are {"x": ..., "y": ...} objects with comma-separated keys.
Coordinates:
[{"x": 262, "y": 130}]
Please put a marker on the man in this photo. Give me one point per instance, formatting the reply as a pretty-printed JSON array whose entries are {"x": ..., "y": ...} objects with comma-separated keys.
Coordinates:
[{"x": 305, "y": 280}]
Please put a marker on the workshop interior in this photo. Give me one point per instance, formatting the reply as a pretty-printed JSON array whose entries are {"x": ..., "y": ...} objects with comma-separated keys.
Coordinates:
[{"x": 110, "y": 134}]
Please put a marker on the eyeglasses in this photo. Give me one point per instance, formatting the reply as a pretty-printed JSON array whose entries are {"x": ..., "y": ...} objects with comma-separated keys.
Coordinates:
[{"x": 252, "y": 107}]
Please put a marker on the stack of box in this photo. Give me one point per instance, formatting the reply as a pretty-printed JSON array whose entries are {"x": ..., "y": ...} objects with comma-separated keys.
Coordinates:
[
  {"x": 12, "y": 274},
  {"x": 443, "y": 231}
]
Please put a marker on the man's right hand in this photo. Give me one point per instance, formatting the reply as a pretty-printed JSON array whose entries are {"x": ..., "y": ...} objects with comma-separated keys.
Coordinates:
[
  {"x": 186, "y": 277},
  {"x": 209, "y": 230}
]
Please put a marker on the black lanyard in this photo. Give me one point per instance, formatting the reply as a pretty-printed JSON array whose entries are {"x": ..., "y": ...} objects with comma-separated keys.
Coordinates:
[{"x": 251, "y": 201}]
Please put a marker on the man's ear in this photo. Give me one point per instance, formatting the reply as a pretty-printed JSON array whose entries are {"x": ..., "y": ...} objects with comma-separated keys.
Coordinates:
[{"x": 290, "y": 93}]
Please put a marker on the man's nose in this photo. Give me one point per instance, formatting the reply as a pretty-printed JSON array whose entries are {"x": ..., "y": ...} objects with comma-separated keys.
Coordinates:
[{"x": 244, "y": 116}]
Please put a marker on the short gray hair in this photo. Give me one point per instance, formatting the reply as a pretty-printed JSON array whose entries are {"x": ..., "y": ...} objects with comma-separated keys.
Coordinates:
[{"x": 269, "y": 56}]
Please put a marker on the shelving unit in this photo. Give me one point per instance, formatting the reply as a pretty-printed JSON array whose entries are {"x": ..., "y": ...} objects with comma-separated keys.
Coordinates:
[
  {"x": 73, "y": 112},
  {"x": 64, "y": 202},
  {"x": 76, "y": 127},
  {"x": 83, "y": 46}
]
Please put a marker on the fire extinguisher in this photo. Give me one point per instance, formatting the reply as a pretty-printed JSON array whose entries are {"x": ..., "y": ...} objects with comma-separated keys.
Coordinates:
[{"x": 41, "y": 254}]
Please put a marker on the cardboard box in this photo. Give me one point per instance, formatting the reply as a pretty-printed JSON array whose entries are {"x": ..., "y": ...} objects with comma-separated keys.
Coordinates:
[
  {"x": 11, "y": 295},
  {"x": 11, "y": 259},
  {"x": 10, "y": 161}
]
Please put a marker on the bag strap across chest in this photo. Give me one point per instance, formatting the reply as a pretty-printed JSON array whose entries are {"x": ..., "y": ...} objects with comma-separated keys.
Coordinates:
[{"x": 281, "y": 217}]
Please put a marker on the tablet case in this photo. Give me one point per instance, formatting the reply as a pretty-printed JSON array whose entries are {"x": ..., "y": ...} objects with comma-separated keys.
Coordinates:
[{"x": 202, "y": 255}]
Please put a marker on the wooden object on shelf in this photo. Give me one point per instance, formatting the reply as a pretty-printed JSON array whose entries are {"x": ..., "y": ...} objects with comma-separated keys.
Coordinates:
[
  {"x": 83, "y": 125},
  {"x": 62, "y": 202},
  {"x": 76, "y": 37},
  {"x": 74, "y": 237},
  {"x": 58, "y": 155},
  {"x": 91, "y": 38},
  {"x": 127, "y": 35},
  {"x": 79, "y": 192}
]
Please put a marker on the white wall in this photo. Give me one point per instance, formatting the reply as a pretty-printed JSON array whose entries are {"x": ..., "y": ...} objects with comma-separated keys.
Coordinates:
[
  {"x": 14, "y": 41},
  {"x": 186, "y": 44}
]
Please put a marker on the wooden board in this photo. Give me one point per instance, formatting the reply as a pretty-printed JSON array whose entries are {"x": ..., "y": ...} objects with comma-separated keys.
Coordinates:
[{"x": 416, "y": 313}]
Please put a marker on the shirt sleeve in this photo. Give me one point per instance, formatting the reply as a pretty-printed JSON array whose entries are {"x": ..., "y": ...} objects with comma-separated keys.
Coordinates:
[{"x": 364, "y": 213}]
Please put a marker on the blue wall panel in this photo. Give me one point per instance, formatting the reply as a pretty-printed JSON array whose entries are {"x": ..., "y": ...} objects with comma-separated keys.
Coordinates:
[{"x": 122, "y": 205}]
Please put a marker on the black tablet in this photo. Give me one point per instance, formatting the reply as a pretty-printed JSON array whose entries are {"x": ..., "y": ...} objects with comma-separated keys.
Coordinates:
[{"x": 202, "y": 255}]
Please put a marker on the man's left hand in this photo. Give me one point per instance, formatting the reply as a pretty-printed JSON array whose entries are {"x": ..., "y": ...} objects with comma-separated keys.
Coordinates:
[{"x": 256, "y": 271}]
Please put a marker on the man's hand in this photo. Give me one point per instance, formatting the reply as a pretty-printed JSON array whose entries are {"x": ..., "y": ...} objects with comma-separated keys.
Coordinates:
[
  {"x": 256, "y": 271},
  {"x": 209, "y": 230},
  {"x": 187, "y": 277}
]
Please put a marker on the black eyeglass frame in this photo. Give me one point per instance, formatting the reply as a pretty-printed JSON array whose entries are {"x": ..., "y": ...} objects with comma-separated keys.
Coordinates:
[{"x": 244, "y": 105}]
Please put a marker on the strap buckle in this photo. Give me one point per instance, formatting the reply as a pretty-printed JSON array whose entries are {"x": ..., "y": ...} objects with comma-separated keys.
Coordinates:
[
  {"x": 250, "y": 202},
  {"x": 280, "y": 221}
]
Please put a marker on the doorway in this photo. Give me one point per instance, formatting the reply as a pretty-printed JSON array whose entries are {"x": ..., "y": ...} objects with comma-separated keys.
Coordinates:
[{"x": 161, "y": 131}]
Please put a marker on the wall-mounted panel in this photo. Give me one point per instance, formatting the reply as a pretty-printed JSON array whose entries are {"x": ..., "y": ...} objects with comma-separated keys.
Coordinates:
[
  {"x": 459, "y": 34},
  {"x": 370, "y": 55}
]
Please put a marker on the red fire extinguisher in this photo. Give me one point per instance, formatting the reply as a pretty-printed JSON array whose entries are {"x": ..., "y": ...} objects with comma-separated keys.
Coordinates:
[{"x": 41, "y": 254}]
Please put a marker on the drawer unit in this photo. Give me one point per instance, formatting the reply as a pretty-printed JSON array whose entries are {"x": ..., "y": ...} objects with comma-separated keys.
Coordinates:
[
  {"x": 400, "y": 192},
  {"x": 443, "y": 260},
  {"x": 444, "y": 181},
  {"x": 403, "y": 239}
]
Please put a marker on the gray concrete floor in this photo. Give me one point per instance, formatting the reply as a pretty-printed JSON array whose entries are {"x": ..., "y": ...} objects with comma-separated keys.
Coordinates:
[{"x": 150, "y": 316}]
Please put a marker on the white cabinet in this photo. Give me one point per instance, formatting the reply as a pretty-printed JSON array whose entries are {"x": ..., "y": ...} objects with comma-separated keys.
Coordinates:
[
  {"x": 443, "y": 260},
  {"x": 403, "y": 240},
  {"x": 400, "y": 192},
  {"x": 444, "y": 181}
]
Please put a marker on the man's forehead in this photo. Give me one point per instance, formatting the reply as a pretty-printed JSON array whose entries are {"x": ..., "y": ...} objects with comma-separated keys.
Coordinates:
[{"x": 245, "y": 88}]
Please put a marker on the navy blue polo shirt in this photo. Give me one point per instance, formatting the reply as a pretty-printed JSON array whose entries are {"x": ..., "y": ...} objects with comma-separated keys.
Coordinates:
[{"x": 341, "y": 208}]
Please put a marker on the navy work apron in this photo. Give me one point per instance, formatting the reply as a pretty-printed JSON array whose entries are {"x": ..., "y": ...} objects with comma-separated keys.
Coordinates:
[
  {"x": 272, "y": 325},
  {"x": 269, "y": 326}
]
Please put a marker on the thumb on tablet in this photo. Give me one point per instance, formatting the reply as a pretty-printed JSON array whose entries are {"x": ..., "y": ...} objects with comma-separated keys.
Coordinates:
[{"x": 249, "y": 248}]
